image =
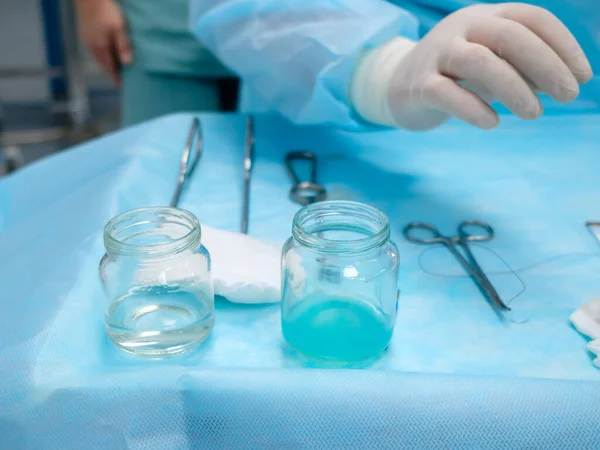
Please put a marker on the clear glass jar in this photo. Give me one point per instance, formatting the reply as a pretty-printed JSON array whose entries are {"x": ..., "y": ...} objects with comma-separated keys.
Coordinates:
[
  {"x": 157, "y": 280},
  {"x": 340, "y": 283}
]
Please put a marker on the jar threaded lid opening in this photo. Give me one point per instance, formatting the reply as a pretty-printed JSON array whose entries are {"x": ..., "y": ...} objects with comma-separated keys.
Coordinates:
[
  {"x": 357, "y": 227},
  {"x": 152, "y": 232}
]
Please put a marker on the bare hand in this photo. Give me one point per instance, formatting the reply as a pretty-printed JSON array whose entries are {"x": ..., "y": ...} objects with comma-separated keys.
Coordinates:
[{"x": 104, "y": 32}]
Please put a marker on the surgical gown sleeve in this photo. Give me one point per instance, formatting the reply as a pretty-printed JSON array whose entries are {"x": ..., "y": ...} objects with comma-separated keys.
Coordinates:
[{"x": 298, "y": 55}]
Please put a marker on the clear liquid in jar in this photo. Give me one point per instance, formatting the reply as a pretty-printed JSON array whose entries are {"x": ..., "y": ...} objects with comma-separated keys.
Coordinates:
[{"x": 161, "y": 321}]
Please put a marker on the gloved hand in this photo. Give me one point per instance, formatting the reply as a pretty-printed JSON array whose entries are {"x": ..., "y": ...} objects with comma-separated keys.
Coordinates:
[{"x": 504, "y": 51}]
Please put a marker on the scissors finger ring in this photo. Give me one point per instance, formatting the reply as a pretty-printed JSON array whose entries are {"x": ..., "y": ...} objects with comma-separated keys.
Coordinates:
[
  {"x": 486, "y": 235},
  {"x": 409, "y": 233}
]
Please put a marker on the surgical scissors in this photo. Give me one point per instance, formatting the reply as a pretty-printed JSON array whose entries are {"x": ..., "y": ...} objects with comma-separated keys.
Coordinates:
[
  {"x": 248, "y": 163},
  {"x": 461, "y": 240},
  {"x": 189, "y": 158}
]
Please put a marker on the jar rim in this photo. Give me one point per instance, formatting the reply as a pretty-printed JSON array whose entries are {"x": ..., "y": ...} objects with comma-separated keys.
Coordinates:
[
  {"x": 128, "y": 219},
  {"x": 376, "y": 219}
]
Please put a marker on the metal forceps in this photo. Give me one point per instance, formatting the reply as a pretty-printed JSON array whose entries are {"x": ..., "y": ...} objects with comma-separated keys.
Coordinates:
[
  {"x": 462, "y": 240},
  {"x": 304, "y": 192},
  {"x": 189, "y": 158},
  {"x": 248, "y": 162}
]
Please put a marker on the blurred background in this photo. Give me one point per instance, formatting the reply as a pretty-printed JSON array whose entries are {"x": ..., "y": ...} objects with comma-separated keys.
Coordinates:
[{"x": 52, "y": 94}]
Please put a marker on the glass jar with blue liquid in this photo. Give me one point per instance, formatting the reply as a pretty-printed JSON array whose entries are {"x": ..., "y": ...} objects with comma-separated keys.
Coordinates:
[
  {"x": 340, "y": 283},
  {"x": 156, "y": 276}
]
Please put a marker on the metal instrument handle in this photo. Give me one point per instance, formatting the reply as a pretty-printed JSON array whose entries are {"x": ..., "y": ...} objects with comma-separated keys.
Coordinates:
[
  {"x": 189, "y": 158},
  {"x": 248, "y": 163},
  {"x": 304, "y": 192},
  {"x": 302, "y": 156},
  {"x": 409, "y": 233},
  {"x": 464, "y": 234}
]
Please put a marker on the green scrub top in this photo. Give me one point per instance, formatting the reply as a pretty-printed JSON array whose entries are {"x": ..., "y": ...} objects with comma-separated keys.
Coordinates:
[{"x": 162, "y": 42}]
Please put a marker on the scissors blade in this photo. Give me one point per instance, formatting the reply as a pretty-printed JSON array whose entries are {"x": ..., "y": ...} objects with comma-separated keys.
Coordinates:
[{"x": 481, "y": 279}]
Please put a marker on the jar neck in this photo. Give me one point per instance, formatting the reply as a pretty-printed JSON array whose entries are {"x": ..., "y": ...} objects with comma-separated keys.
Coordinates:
[
  {"x": 150, "y": 233},
  {"x": 341, "y": 227}
]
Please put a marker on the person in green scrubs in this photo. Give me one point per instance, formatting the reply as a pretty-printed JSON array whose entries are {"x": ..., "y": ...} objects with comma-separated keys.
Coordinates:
[{"x": 145, "y": 47}]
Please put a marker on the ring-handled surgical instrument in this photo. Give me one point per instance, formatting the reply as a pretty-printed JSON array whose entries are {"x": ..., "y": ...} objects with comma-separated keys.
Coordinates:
[
  {"x": 248, "y": 162},
  {"x": 189, "y": 158},
  {"x": 304, "y": 192},
  {"x": 462, "y": 240}
]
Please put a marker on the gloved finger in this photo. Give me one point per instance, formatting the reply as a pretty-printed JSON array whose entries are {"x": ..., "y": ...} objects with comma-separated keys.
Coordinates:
[
  {"x": 105, "y": 58},
  {"x": 123, "y": 46},
  {"x": 444, "y": 94},
  {"x": 486, "y": 71},
  {"x": 554, "y": 33},
  {"x": 530, "y": 55},
  {"x": 480, "y": 92}
]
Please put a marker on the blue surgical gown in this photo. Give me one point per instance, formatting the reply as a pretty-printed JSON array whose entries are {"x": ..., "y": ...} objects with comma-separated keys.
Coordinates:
[{"x": 296, "y": 57}]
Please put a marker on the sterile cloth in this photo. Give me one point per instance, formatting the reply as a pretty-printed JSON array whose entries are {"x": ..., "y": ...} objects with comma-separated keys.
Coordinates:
[{"x": 454, "y": 376}]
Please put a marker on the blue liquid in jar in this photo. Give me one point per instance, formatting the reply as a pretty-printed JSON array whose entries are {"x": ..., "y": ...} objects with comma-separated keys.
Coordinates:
[
  {"x": 337, "y": 329},
  {"x": 160, "y": 321}
]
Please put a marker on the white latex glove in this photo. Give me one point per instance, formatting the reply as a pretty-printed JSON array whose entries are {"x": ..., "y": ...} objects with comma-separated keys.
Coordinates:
[{"x": 504, "y": 51}]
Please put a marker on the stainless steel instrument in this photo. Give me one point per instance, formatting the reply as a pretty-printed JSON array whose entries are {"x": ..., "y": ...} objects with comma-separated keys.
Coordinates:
[
  {"x": 248, "y": 162},
  {"x": 469, "y": 263},
  {"x": 304, "y": 192},
  {"x": 189, "y": 158}
]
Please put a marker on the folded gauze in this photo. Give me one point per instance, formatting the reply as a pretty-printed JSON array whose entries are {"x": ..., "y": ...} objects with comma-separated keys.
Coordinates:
[
  {"x": 244, "y": 269},
  {"x": 586, "y": 319}
]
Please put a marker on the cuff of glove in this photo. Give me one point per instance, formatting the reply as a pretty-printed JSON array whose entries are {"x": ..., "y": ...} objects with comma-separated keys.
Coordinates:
[{"x": 371, "y": 80}]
